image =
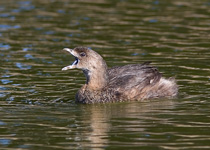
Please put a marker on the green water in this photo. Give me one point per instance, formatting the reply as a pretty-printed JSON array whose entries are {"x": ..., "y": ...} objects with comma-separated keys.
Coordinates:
[{"x": 37, "y": 109}]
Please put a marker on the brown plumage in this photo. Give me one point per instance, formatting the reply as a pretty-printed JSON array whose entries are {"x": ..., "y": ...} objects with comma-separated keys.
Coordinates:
[{"x": 121, "y": 83}]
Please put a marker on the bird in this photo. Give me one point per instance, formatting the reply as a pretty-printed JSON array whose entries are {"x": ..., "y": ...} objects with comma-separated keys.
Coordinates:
[{"x": 131, "y": 82}]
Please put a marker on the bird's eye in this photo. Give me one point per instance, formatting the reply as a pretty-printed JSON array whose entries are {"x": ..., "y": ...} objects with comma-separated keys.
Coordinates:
[{"x": 82, "y": 54}]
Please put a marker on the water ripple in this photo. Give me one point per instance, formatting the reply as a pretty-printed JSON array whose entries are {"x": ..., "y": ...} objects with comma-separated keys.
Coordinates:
[
  {"x": 23, "y": 66},
  {"x": 4, "y": 46},
  {"x": 4, "y": 27},
  {"x": 38, "y": 98}
]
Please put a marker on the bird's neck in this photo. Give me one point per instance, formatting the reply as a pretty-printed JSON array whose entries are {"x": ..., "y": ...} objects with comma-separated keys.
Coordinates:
[{"x": 96, "y": 79}]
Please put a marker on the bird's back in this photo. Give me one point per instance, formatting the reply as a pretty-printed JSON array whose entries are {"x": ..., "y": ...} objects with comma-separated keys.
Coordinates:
[{"x": 140, "y": 81}]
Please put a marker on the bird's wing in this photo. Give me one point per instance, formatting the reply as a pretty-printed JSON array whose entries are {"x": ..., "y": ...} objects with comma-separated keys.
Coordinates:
[{"x": 133, "y": 76}]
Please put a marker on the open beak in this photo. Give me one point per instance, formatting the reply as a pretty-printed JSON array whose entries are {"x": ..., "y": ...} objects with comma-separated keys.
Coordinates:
[{"x": 74, "y": 64}]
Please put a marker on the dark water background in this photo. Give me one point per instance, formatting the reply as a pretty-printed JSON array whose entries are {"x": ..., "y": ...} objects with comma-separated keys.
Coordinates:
[{"x": 37, "y": 109}]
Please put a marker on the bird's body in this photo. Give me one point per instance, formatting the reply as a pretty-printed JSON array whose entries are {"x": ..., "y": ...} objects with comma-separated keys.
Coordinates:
[{"x": 121, "y": 83}]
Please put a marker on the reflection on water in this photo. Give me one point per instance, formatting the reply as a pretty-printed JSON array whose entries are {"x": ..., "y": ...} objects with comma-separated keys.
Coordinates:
[{"x": 37, "y": 106}]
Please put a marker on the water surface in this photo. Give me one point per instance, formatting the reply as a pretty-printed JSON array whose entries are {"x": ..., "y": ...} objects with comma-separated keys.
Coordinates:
[{"x": 37, "y": 106}]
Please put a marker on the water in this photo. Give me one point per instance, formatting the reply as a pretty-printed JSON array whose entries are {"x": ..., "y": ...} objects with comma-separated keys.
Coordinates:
[{"x": 37, "y": 106}]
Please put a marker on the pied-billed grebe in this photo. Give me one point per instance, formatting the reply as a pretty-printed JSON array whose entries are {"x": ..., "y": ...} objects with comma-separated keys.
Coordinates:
[{"x": 121, "y": 83}]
